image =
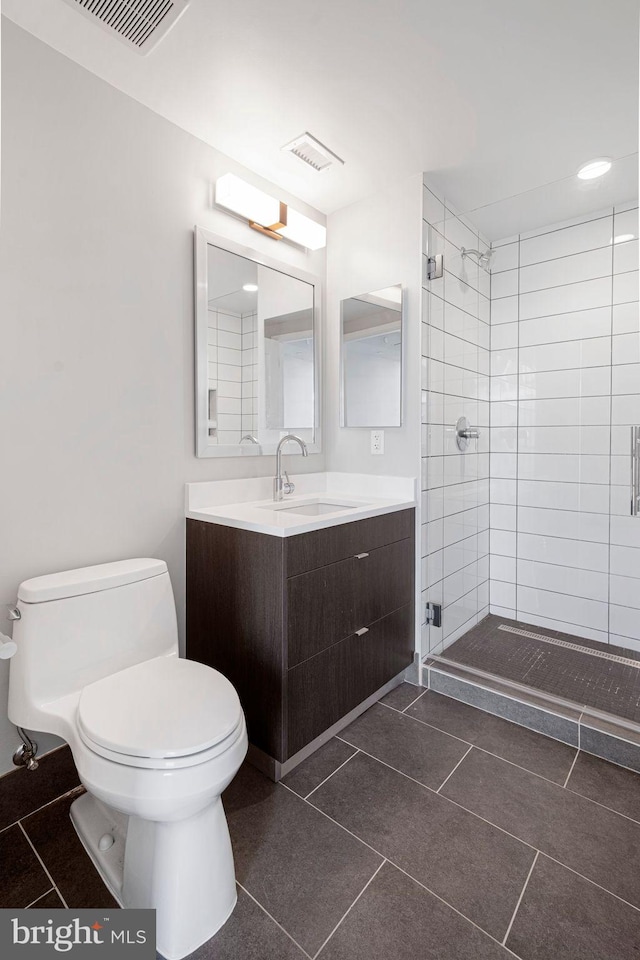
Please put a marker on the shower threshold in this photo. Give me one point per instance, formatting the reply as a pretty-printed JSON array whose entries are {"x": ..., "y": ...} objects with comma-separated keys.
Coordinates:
[{"x": 576, "y": 690}]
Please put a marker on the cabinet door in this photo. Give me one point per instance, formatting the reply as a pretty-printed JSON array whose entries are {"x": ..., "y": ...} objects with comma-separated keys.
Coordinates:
[
  {"x": 383, "y": 581},
  {"x": 321, "y": 609},
  {"x": 326, "y": 687}
]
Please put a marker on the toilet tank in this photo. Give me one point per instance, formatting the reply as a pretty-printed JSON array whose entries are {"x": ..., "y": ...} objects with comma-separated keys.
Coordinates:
[{"x": 82, "y": 625}]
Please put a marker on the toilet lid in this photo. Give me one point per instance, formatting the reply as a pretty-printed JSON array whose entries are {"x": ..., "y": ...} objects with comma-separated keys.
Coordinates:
[{"x": 166, "y": 707}]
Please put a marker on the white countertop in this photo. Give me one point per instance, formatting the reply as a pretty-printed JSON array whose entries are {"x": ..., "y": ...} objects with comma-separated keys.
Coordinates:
[{"x": 249, "y": 504}]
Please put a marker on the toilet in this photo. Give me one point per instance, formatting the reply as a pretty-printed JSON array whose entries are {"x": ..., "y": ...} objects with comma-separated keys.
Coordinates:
[{"x": 155, "y": 738}]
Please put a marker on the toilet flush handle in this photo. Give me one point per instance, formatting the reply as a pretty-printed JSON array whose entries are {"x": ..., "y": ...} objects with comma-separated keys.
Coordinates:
[{"x": 7, "y": 647}]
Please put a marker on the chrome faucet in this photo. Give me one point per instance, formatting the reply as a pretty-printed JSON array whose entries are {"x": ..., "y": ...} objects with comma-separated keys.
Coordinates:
[
  {"x": 280, "y": 485},
  {"x": 250, "y": 437}
]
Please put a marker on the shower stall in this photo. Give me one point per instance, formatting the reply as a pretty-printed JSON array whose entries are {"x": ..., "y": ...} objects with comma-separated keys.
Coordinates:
[{"x": 531, "y": 539}]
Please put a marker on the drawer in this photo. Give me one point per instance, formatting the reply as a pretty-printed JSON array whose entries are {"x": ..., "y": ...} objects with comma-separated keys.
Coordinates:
[
  {"x": 326, "y": 687},
  {"x": 308, "y": 551},
  {"x": 328, "y": 604}
]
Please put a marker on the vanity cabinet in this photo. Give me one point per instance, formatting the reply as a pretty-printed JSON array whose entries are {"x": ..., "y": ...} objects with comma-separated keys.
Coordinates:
[{"x": 306, "y": 627}]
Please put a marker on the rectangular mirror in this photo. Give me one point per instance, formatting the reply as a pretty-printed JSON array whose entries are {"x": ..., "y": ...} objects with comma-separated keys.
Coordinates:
[
  {"x": 372, "y": 349},
  {"x": 257, "y": 353}
]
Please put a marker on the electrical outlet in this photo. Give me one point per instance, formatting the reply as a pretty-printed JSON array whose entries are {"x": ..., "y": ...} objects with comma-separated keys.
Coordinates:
[{"x": 377, "y": 442}]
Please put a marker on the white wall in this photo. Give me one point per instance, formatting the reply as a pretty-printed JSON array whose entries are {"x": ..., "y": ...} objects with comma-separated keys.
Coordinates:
[
  {"x": 96, "y": 276},
  {"x": 565, "y": 360},
  {"x": 373, "y": 244},
  {"x": 455, "y": 382}
]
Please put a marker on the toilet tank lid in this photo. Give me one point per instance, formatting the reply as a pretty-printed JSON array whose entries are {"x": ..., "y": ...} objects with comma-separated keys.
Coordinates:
[{"x": 75, "y": 583}]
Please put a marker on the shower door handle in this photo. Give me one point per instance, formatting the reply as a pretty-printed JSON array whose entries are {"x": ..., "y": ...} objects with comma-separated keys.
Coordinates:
[{"x": 635, "y": 471}]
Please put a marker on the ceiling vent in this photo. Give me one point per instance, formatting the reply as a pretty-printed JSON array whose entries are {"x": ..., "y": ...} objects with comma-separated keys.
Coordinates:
[
  {"x": 141, "y": 24},
  {"x": 314, "y": 153}
]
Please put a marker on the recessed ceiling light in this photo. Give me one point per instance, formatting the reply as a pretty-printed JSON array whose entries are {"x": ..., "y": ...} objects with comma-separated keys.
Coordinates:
[
  {"x": 623, "y": 237},
  {"x": 250, "y": 287},
  {"x": 595, "y": 168}
]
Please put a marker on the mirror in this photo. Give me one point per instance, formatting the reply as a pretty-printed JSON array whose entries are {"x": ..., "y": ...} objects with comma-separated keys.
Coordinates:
[
  {"x": 371, "y": 328},
  {"x": 256, "y": 351}
]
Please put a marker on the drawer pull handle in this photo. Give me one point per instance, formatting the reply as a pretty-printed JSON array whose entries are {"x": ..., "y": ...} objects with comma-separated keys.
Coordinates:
[
  {"x": 361, "y": 556},
  {"x": 361, "y": 632}
]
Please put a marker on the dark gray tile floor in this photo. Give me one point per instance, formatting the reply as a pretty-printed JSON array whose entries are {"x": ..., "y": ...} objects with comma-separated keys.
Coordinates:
[
  {"x": 567, "y": 673},
  {"x": 430, "y": 831}
]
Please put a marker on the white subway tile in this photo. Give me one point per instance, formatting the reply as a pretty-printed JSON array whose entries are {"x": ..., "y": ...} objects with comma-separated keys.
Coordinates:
[
  {"x": 563, "y": 467},
  {"x": 625, "y": 256},
  {"x": 581, "y": 325},
  {"x": 625, "y": 409},
  {"x": 625, "y": 287},
  {"x": 626, "y": 349},
  {"x": 565, "y": 299},
  {"x": 503, "y": 517},
  {"x": 505, "y": 257},
  {"x": 626, "y": 222},
  {"x": 504, "y": 284},
  {"x": 625, "y": 561},
  {"x": 502, "y": 491},
  {"x": 502, "y": 543},
  {"x": 230, "y": 372},
  {"x": 585, "y": 497},
  {"x": 554, "y": 273},
  {"x": 503, "y": 568},
  {"x": 565, "y": 355},
  {"x": 567, "y": 241},
  {"x": 564, "y": 608},
  {"x": 567, "y": 524},
  {"x": 590, "y": 556},
  {"x": 626, "y": 318},
  {"x": 626, "y": 379},
  {"x": 504, "y": 336},
  {"x": 575, "y": 440},
  {"x": 625, "y": 591},
  {"x": 588, "y": 584},
  {"x": 587, "y": 382},
  {"x": 504, "y": 311},
  {"x": 502, "y": 594},
  {"x": 582, "y": 411},
  {"x": 504, "y": 413},
  {"x": 624, "y": 621},
  {"x": 504, "y": 465}
]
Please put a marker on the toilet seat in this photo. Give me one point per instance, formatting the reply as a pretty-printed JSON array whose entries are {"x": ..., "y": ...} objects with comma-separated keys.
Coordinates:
[{"x": 162, "y": 713}]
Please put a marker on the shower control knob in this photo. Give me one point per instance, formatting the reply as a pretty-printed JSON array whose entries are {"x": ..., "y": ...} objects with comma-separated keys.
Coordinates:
[{"x": 465, "y": 433}]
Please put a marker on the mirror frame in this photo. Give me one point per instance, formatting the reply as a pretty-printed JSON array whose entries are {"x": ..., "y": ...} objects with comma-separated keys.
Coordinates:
[
  {"x": 204, "y": 448},
  {"x": 403, "y": 360}
]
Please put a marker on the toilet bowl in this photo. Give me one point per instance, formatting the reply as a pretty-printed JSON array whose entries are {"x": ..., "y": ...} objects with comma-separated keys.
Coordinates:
[{"x": 155, "y": 738}]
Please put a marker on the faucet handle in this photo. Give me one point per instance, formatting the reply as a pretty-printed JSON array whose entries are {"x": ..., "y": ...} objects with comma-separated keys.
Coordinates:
[{"x": 288, "y": 487}]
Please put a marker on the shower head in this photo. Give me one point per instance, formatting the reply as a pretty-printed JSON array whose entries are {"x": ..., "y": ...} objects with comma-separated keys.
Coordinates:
[{"x": 482, "y": 259}]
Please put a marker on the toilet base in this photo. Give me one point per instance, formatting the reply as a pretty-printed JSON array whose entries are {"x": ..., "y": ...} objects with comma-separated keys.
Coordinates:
[{"x": 183, "y": 869}]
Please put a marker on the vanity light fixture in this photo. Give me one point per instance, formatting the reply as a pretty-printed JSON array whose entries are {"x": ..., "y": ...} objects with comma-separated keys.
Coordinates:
[
  {"x": 250, "y": 287},
  {"x": 268, "y": 215},
  {"x": 595, "y": 168}
]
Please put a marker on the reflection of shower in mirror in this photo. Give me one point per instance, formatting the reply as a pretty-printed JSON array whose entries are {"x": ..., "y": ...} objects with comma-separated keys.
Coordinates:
[{"x": 482, "y": 259}]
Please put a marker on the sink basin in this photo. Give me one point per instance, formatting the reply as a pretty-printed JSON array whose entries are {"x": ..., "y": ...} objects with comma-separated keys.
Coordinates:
[
  {"x": 315, "y": 508},
  {"x": 318, "y": 509}
]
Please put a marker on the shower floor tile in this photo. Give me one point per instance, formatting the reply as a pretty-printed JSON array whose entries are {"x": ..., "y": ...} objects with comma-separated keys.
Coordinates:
[{"x": 570, "y": 674}]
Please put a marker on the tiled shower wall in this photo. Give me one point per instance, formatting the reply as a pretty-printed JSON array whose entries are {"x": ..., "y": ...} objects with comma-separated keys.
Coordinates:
[
  {"x": 565, "y": 388},
  {"x": 455, "y": 383},
  {"x": 232, "y": 361}
]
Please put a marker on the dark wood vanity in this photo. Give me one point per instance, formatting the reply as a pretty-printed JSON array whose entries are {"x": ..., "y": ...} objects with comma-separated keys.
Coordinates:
[{"x": 306, "y": 627}]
